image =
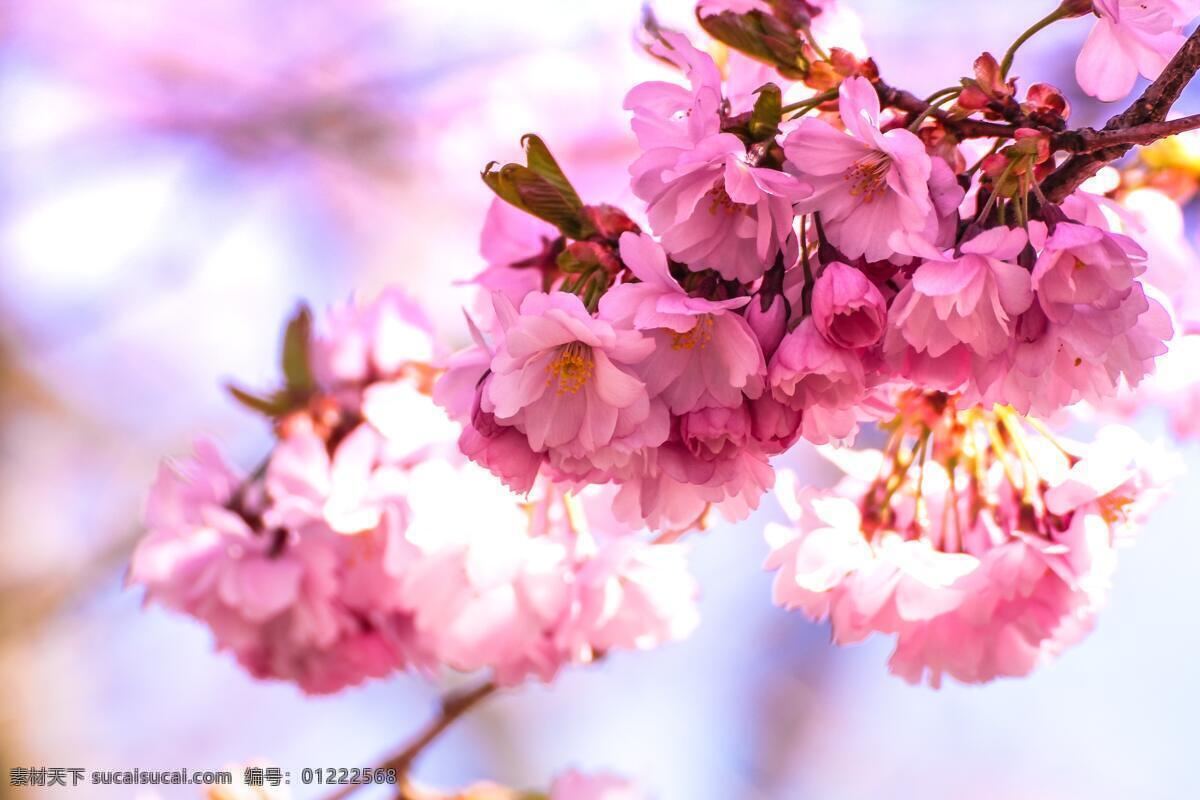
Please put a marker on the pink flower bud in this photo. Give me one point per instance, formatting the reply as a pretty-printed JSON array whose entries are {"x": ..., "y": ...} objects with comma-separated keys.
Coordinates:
[
  {"x": 770, "y": 325},
  {"x": 847, "y": 308},
  {"x": 610, "y": 221},
  {"x": 775, "y": 425},
  {"x": 1076, "y": 8},
  {"x": 715, "y": 432},
  {"x": 1046, "y": 104}
]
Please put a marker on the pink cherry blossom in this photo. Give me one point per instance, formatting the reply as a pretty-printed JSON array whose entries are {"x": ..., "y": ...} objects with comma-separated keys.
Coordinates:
[
  {"x": 1089, "y": 357},
  {"x": 629, "y": 595},
  {"x": 411, "y": 427},
  {"x": 705, "y": 353},
  {"x": 299, "y": 603},
  {"x": 959, "y": 307},
  {"x": 484, "y": 593},
  {"x": 829, "y": 569},
  {"x": 814, "y": 558},
  {"x": 713, "y": 209},
  {"x": 849, "y": 311},
  {"x": 1119, "y": 473},
  {"x": 824, "y": 382},
  {"x": 666, "y": 115},
  {"x": 563, "y": 378},
  {"x": 775, "y": 426},
  {"x": 574, "y": 785},
  {"x": 364, "y": 342},
  {"x": 867, "y": 184},
  {"x": 1081, "y": 264},
  {"x": 701, "y": 466},
  {"x": 515, "y": 246},
  {"x": 502, "y": 450},
  {"x": 971, "y": 592},
  {"x": 526, "y": 590},
  {"x": 1131, "y": 37},
  {"x": 350, "y": 491}
]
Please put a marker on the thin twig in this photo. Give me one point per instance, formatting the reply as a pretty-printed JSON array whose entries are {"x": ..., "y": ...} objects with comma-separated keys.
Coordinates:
[
  {"x": 454, "y": 705},
  {"x": 964, "y": 128}
]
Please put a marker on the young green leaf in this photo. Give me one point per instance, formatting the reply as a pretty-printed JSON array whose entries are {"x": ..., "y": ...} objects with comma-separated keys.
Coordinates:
[
  {"x": 767, "y": 114},
  {"x": 296, "y": 356}
]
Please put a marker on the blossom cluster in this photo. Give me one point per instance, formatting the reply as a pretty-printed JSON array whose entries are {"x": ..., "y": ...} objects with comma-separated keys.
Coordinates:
[
  {"x": 981, "y": 548},
  {"x": 351, "y": 553},
  {"x": 797, "y": 274}
]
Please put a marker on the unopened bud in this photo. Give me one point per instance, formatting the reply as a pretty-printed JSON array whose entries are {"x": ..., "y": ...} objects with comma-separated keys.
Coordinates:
[
  {"x": 768, "y": 324},
  {"x": 1076, "y": 8}
]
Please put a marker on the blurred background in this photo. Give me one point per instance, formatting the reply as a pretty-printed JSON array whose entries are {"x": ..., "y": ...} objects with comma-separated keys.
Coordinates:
[{"x": 176, "y": 176}]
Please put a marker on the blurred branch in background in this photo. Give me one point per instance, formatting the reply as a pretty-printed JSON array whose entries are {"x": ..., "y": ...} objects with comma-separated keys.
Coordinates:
[{"x": 29, "y": 603}]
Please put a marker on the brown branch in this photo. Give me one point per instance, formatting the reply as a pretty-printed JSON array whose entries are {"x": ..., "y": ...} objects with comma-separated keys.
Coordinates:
[
  {"x": 1089, "y": 140},
  {"x": 1152, "y": 107},
  {"x": 964, "y": 128},
  {"x": 28, "y": 604},
  {"x": 454, "y": 705}
]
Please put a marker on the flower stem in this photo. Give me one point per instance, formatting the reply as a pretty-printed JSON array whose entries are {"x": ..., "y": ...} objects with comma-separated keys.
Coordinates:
[
  {"x": 935, "y": 101},
  {"x": 812, "y": 41},
  {"x": 804, "y": 106},
  {"x": 1051, "y": 18},
  {"x": 806, "y": 292}
]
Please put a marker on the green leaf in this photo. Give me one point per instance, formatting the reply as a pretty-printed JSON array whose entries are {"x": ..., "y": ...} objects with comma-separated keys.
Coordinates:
[
  {"x": 538, "y": 157},
  {"x": 540, "y": 189},
  {"x": 273, "y": 406},
  {"x": 761, "y": 37},
  {"x": 492, "y": 177},
  {"x": 297, "y": 345},
  {"x": 767, "y": 114}
]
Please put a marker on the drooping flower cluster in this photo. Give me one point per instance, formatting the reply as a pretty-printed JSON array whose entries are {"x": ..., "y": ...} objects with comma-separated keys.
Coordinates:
[
  {"x": 352, "y": 553},
  {"x": 801, "y": 273},
  {"x": 982, "y": 548}
]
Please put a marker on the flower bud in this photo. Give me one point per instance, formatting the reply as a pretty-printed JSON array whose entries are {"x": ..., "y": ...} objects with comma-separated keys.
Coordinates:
[
  {"x": 775, "y": 425},
  {"x": 715, "y": 432},
  {"x": 1076, "y": 8},
  {"x": 1046, "y": 105},
  {"x": 848, "y": 309},
  {"x": 769, "y": 325},
  {"x": 610, "y": 221}
]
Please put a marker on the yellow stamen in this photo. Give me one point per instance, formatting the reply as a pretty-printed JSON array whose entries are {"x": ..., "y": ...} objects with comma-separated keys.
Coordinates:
[
  {"x": 571, "y": 369},
  {"x": 1115, "y": 508},
  {"x": 868, "y": 176},
  {"x": 719, "y": 200},
  {"x": 699, "y": 336}
]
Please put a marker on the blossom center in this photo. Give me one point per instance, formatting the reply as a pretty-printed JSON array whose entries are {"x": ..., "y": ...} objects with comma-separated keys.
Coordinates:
[
  {"x": 699, "y": 336},
  {"x": 571, "y": 369},
  {"x": 868, "y": 176},
  {"x": 1114, "y": 508},
  {"x": 719, "y": 200}
]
